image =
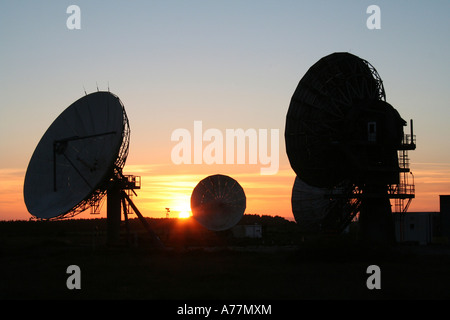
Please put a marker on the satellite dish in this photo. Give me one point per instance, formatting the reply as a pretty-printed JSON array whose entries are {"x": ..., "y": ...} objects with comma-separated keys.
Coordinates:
[
  {"x": 318, "y": 210},
  {"x": 79, "y": 160},
  {"x": 342, "y": 140},
  {"x": 218, "y": 202},
  {"x": 75, "y": 157},
  {"x": 311, "y": 205}
]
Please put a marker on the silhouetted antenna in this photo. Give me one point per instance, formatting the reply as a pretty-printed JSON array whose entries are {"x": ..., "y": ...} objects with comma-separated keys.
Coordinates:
[
  {"x": 343, "y": 141},
  {"x": 85, "y": 93},
  {"x": 75, "y": 155},
  {"x": 96, "y": 85},
  {"x": 79, "y": 160},
  {"x": 108, "y": 86},
  {"x": 218, "y": 202}
]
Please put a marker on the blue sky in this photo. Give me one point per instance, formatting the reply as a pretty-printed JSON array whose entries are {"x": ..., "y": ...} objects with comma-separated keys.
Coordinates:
[{"x": 231, "y": 64}]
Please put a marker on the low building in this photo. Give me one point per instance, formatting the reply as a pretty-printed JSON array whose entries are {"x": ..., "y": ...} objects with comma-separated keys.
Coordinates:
[
  {"x": 415, "y": 227},
  {"x": 247, "y": 231},
  {"x": 444, "y": 201}
]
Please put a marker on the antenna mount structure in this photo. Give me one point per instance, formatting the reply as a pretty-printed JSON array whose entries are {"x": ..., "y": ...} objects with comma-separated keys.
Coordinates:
[
  {"x": 79, "y": 160},
  {"x": 346, "y": 145}
]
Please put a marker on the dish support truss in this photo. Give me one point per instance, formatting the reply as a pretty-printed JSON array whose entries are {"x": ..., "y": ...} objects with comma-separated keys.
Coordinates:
[
  {"x": 119, "y": 201},
  {"x": 401, "y": 193}
]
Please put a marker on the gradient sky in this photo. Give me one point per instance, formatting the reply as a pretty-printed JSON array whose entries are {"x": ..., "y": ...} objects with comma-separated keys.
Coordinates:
[{"x": 230, "y": 64}]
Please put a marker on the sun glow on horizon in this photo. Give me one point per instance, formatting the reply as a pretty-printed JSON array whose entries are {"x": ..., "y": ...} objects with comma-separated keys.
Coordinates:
[
  {"x": 182, "y": 207},
  {"x": 266, "y": 195},
  {"x": 184, "y": 214}
]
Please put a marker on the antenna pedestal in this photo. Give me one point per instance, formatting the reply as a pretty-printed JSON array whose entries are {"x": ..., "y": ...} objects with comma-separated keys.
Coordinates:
[
  {"x": 113, "y": 214},
  {"x": 376, "y": 221},
  {"x": 118, "y": 199}
]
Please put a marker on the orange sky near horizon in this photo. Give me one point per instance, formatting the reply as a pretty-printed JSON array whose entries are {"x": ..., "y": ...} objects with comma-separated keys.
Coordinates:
[
  {"x": 170, "y": 186},
  {"x": 229, "y": 64}
]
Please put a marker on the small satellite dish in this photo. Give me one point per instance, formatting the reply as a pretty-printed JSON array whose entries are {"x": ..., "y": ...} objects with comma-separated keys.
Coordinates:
[
  {"x": 218, "y": 202},
  {"x": 75, "y": 157}
]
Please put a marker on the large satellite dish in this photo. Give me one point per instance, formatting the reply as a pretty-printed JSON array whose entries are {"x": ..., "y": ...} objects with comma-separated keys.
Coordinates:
[
  {"x": 342, "y": 140},
  {"x": 79, "y": 160},
  {"x": 218, "y": 202},
  {"x": 75, "y": 157}
]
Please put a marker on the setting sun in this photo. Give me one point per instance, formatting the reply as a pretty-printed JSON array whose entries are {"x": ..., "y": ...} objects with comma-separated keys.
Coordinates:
[
  {"x": 184, "y": 214},
  {"x": 183, "y": 208}
]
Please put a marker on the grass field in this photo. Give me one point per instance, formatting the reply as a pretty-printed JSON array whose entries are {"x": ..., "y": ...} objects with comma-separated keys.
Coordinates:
[{"x": 198, "y": 264}]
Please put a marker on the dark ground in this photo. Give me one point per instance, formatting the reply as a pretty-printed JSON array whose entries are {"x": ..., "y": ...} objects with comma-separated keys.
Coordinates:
[{"x": 199, "y": 264}]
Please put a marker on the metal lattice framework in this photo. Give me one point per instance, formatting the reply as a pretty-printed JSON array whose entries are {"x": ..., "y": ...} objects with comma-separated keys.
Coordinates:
[{"x": 378, "y": 80}]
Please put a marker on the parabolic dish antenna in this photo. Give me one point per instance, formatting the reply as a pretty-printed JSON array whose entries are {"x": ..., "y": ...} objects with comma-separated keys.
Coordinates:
[
  {"x": 79, "y": 160},
  {"x": 75, "y": 158},
  {"x": 328, "y": 117},
  {"x": 218, "y": 202},
  {"x": 342, "y": 140},
  {"x": 312, "y": 206}
]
